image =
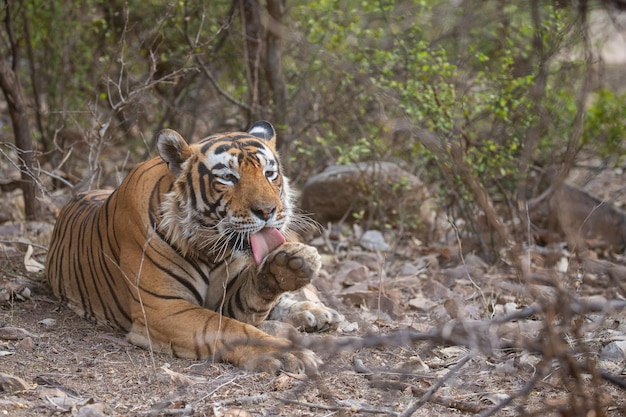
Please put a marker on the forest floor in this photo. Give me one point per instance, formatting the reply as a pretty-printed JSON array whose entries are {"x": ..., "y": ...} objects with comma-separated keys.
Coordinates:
[{"x": 428, "y": 332}]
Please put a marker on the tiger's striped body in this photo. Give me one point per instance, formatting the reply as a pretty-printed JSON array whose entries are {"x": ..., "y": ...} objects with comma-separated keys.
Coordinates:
[{"x": 166, "y": 256}]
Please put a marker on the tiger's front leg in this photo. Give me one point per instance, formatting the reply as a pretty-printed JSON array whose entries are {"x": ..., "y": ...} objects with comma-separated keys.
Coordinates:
[
  {"x": 229, "y": 333},
  {"x": 198, "y": 333},
  {"x": 288, "y": 268}
]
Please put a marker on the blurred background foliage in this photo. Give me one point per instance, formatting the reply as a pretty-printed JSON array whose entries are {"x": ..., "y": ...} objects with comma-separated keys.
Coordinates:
[{"x": 507, "y": 92}]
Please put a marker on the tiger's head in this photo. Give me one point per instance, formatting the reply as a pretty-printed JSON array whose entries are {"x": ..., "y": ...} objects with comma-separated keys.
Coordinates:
[{"x": 228, "y": 193}]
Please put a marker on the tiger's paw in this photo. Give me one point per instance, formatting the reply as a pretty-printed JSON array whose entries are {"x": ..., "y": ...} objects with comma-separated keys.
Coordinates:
[
  {"x": 294, "y": 361},
  {"x": 289, "y": 267},
  {"x": 305, "y": 315}
]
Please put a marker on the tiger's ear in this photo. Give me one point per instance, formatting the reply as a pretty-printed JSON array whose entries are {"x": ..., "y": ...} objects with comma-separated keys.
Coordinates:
[
  {"x": 264, "y": 130},
  {"x": 173, "y": 150}
]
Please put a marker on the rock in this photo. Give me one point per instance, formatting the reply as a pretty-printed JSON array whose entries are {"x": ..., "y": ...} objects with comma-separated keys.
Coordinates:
[
  {"x": 92, "y": 410},
  {"x": 13, "y": 290},
  {"x": 436, "y": 290},
  {"x": 26, "y": 344},
  {"x": 374, "y": 241},
  {"x": 10, "y": 383},
  {"x": 352, "y": 272},
  {"x": 472, "y": 268},
  {"x": 15, "y": 333},
  {"x": 363, "y": 295},
  {"x": 408, "y": 270},
  {"x": 585, "y": 220},
  {"x": 381, "y": 189},
  {"x": 422, "y": 304},
  {"x": 48, "y": 322},
  {"x": 614, "y": 351}
]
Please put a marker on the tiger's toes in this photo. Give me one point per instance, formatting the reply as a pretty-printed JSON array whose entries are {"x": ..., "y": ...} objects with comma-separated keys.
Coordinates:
[
  {"x": 297, "y": 361},
  {"x": 312, "y": 317},
  {"x": 293, "y": 265}
]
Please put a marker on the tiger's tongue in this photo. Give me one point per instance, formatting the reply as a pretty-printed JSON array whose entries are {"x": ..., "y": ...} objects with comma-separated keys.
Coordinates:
[{"x": 264, "y": 242}]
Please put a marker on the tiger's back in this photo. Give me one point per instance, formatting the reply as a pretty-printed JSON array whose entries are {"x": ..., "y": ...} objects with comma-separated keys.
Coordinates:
[{"x": 83, "y": 263}]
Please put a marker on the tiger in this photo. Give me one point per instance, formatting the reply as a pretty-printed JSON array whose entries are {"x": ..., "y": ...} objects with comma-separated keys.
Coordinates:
[{"x": 192, "y": 252}]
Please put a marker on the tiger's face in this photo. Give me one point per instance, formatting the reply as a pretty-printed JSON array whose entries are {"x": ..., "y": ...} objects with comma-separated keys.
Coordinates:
[{"x": 228, "y": 189}]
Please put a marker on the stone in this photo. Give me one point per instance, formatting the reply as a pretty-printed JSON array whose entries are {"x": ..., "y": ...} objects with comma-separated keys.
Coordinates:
[
  {"x": 614, "y": 351},
  {"x": 374, "y": 241},
  {"x": 382, "y": 190}
]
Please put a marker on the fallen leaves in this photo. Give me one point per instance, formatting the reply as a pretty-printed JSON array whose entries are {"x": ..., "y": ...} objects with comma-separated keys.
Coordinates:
[
  {"x": 30, "y": 263},
  {"x": 180, "y": 379},
  {"x": 11, "y": 290},
  {"x": 60, "y": 399},
  {"x": 422, "y": 303},
  {"x": 231, "y": 412}
]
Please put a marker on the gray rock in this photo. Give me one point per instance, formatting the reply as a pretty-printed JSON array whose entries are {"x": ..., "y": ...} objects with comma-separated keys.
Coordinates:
[
  {"x": 614, "y": 351},
  {"x": 381, "y": 189},
  {"x": 91, "y": 410},
  {"x": 374, "y": 241}
]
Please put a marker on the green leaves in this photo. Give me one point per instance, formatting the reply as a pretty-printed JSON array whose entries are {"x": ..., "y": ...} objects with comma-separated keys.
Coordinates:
[
  {"x": 495, "y": 81},
  {"x": 605, "y": 124}
]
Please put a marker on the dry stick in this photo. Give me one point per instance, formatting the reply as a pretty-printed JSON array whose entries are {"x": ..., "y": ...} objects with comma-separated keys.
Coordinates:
[
  {"x": 524, "y": 391},
  {"x": 242, "y": 400},
  {"x": 613, "y": 273},
  {"x": 574, "y": 143},
  {"x": 348, "y": 409},
  {"x": 11, "y": 242},
  {"x": 467, "y": 271},
  {"x": 454, "y": 154},
  {"x": 450, "y": 333},
  {"x": 451, "y": 402},
  {"x": 454, "y": 331},
  {"x": 448, "y": 402},
  {"x": 210, "y": 393},
  {"x": 194, "y": 44},
  {"x": 143, "y": 310},
  {"x": 613, "y": 379},
  {"x": 414, "y": 405},
  {"x": 381, "y": 283},
  {"x": 29, "y": 171},
  {"x": 221, "y": 312}
]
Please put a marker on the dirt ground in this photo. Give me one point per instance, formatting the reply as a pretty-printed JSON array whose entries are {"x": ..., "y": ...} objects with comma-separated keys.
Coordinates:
[{"x": 427, "y": 333}]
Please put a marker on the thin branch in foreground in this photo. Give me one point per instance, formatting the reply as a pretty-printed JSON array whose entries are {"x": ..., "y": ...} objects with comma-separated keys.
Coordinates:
[
  {"x": 251, "y": 399},
  {"x": 348, "y": 409},
  {"x": 25, "y": 242},
  {"x": 444, "y": 401},
  {"x": 524, "y": 391},
  {"x": 414, "y": 405}
]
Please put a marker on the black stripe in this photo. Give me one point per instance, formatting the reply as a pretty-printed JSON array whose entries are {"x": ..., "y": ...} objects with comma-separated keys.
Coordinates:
[
  {"x": 220, "y": 149},
  {"x": 176, "y": 313},
  {"x": 253, "y": 143},
  {"x": 108, "y": 275},
  {"x": 219, "y": 166},
  {"x": 157, "y": 295}
]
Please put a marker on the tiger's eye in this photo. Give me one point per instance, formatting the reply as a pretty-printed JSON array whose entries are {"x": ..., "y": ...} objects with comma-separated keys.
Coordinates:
[{"x": 230, "y": 178}]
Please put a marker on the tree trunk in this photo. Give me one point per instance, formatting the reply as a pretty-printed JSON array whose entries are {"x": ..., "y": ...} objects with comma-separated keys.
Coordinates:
[
  {"x": 250, "y": 13},
  {"x": 23, "y": 141},
  {"x": 262, "y": 42},
  {"x": 273, "y": 67}
]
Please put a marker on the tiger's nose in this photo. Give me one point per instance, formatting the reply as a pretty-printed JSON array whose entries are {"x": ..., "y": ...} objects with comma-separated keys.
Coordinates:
[{"x": 264, "y": 212}]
